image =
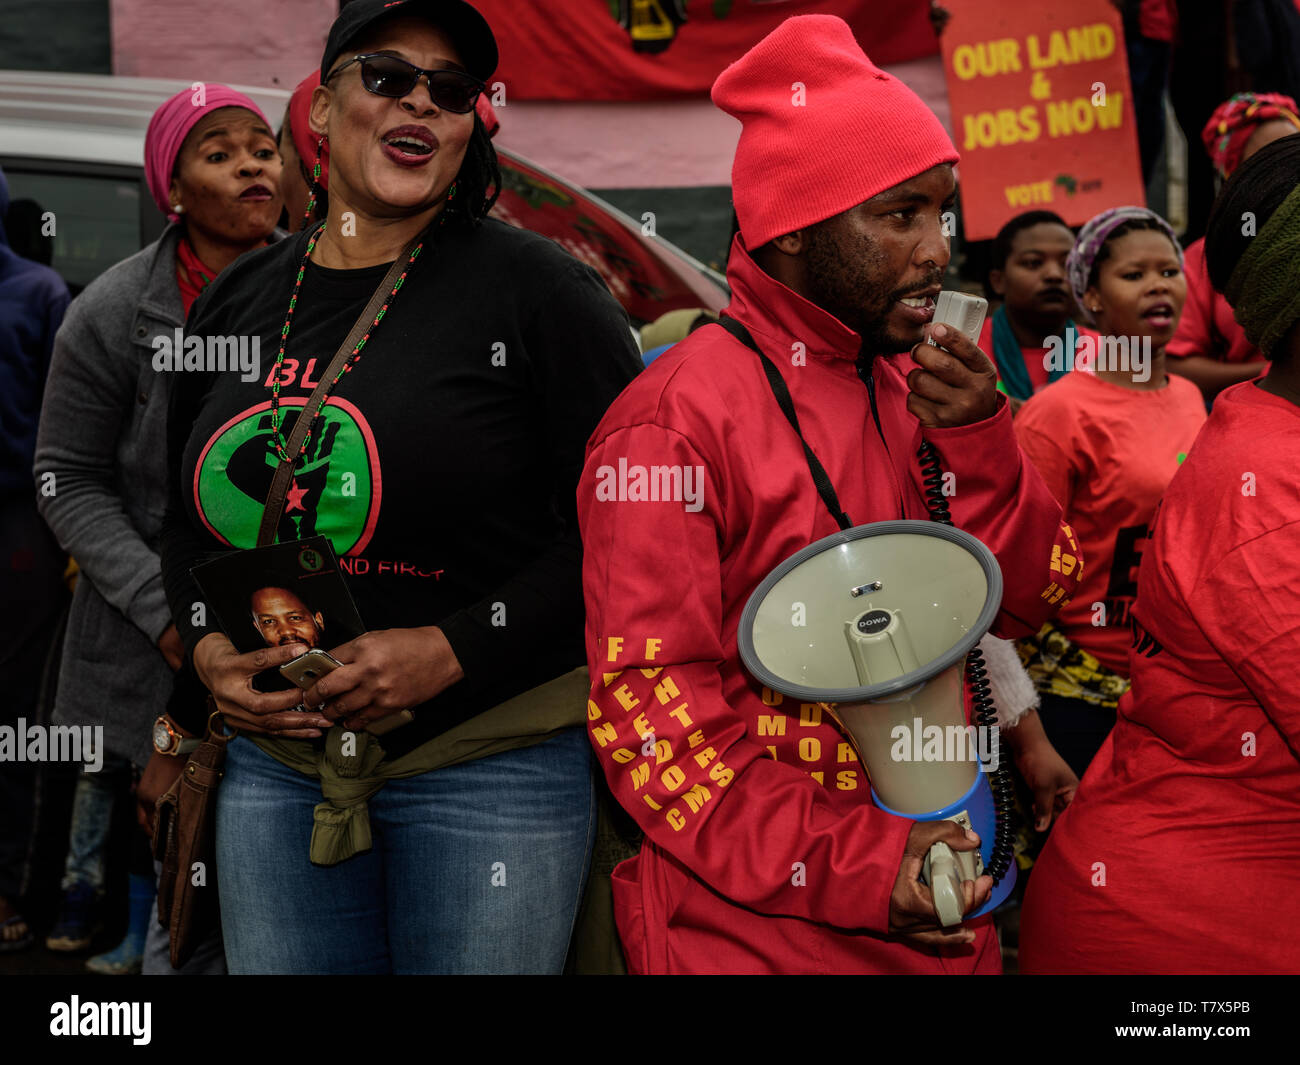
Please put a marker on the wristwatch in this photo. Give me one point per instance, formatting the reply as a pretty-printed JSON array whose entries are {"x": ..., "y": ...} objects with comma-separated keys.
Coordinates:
[{"x": 166, "y": 740}]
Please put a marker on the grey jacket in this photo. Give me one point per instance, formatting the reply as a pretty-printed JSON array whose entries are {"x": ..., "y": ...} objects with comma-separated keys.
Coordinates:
[{"x": 103, "y": 438}]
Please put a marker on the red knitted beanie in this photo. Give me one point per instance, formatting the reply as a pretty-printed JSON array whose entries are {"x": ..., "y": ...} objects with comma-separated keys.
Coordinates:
[{"x": 824, "y": 128}]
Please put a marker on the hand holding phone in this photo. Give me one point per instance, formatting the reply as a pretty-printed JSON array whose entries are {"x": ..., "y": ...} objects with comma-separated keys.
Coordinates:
[
  {"x": 307, "y": 669},
  {"x": 227, "y": 673}
]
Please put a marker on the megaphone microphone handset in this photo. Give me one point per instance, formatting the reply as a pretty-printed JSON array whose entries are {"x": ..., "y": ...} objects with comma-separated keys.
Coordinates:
[{"x": 961, "y": 311}]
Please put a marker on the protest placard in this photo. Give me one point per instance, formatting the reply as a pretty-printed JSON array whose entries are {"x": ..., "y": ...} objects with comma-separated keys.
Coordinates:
[{"x": 1041, "y": 110}]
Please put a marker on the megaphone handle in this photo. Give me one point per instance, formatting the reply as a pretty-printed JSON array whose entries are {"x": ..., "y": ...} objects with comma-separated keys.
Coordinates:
[{"x": 945, "y": 884}]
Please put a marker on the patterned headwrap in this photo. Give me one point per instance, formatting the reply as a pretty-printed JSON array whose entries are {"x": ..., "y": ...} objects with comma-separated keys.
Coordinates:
[
  {"x": 1091, "y": 238},
  {"x": 1234, "y": 120}
]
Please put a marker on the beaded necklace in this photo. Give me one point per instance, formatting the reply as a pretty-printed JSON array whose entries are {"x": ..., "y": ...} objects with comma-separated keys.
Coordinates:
[{"x": 277, "y": 418}]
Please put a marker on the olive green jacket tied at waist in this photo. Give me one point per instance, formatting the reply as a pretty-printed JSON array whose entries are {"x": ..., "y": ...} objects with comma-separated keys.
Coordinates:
[{"x": 342, "y": 821}]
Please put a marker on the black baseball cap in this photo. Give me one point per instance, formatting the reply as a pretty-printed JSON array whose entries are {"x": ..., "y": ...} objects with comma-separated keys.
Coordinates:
[{"x": 467, "y": 28}]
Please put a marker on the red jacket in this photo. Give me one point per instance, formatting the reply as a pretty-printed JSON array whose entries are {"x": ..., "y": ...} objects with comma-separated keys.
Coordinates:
[{"x": 763, "y": 851}]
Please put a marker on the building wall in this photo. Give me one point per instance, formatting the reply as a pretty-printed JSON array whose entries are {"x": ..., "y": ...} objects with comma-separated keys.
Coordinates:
[
  {"x": 81, "y": 45},
  {"x": 249, "y": 42}
]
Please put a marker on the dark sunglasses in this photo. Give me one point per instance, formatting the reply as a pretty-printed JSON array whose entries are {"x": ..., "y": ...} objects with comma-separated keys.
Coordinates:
[{"x": 386, "y": 75}]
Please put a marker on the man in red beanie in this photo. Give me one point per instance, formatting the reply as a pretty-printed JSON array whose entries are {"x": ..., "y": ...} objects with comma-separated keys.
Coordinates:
[{"x": 763, "y": 851}]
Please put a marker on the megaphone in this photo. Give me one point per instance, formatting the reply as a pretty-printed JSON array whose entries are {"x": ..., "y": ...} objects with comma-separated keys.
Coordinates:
[{"x": 882, "y": 620}]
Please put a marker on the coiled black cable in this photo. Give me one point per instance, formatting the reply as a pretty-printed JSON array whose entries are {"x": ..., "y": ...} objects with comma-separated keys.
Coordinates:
[
  {"x": 985, "y": 709},
  {"x": 932, "y": 478}
]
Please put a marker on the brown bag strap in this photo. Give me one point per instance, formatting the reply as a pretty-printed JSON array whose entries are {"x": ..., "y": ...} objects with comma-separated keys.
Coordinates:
[
  {"x": 284, "y": 472},
  {"x": 216, "y": 733}
]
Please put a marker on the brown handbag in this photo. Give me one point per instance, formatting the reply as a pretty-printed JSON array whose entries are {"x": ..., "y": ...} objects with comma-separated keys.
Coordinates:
[
  {"x": 184, "y": 842},
  {"x": 184, "y": 837}
]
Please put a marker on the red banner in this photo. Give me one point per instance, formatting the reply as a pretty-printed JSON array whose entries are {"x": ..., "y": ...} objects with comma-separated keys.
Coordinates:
[
  {"x": 1041, "y": 110},
  {"x": 648, "y": 49}
]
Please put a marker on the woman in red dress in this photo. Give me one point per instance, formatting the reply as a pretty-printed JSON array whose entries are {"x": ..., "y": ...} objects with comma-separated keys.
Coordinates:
[{"x": 1181, "y": 851}]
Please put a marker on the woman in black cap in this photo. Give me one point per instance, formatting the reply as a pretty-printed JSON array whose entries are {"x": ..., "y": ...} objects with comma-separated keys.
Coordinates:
[{"x": 442, "y": 469}]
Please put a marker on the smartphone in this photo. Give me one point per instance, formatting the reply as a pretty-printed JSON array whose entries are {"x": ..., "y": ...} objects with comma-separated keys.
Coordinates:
[
  {"x": 962, "y": 312},
  {"x": 307, "y": 669}
]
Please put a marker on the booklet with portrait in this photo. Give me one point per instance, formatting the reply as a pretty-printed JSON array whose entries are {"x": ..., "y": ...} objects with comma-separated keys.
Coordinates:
[{"x": 278, "y": 595}]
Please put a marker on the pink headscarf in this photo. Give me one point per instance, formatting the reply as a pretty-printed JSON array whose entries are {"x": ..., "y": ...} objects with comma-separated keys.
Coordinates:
[{"x": 168, "y": 129}]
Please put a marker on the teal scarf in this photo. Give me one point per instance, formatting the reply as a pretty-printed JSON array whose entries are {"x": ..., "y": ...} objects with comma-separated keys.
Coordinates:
[{"x": 1011, "y": 360}]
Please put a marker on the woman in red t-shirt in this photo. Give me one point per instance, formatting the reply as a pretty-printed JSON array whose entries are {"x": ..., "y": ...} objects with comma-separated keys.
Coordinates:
[
  {"x": 1107, "y": 438},
  {"x": 1181, "y": 851}
]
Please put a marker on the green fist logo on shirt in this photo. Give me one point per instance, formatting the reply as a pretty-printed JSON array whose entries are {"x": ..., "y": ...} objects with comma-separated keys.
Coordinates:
[{"x": 335, "y": 490}]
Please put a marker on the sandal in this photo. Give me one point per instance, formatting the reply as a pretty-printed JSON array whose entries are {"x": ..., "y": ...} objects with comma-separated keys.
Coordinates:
[{"x": 22, "y": 942}]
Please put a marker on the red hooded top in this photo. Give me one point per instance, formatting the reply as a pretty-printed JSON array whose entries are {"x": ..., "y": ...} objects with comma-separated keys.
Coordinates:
[
  {"x": 763, "y": 851},
  {"x": 1181, "y": 852}
]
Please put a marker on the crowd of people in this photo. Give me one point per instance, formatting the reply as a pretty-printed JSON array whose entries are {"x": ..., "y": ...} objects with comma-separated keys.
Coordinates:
[{"x": 545, "y": 754}]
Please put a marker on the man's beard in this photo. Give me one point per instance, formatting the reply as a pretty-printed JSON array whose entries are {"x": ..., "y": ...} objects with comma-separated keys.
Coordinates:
[
  {"x": 842, "y": 279},
  {"x": 311, "y": 641}
]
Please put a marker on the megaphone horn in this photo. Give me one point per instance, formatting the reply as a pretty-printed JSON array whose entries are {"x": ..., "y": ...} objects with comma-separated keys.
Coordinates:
[{"x": 891, "y": 612}]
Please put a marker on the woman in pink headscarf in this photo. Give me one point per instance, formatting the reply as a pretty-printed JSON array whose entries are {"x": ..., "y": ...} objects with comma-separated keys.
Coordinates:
[{"x": 212, "y": 167}]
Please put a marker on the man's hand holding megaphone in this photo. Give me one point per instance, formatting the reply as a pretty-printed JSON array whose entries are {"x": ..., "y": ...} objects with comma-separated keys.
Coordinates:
[{"x": 911, "y": 904}]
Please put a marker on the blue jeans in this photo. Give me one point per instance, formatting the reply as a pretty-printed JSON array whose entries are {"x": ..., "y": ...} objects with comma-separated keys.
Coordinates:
[
  {"x": 92, "y": 820},
  {"x": 475, "y": 868},
  {"x": 208, "y": 958}
]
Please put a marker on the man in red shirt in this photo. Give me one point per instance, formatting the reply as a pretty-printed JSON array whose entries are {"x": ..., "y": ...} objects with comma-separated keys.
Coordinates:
[
  {"x": 763, "y": 851},
  {"x": 1028, "y": 274}
]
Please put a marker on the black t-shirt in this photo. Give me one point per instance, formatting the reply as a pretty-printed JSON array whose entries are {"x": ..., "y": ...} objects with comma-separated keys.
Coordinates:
[{"x": 445, "y": 472}]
